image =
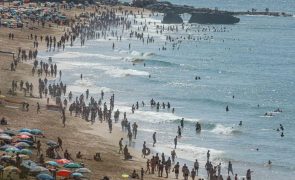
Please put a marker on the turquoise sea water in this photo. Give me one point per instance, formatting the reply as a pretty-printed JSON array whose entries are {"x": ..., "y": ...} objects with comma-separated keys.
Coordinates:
[{"x": 252, "y": 60}]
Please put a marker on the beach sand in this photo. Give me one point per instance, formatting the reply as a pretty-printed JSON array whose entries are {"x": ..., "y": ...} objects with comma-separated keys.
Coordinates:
[{"x": 78, "y": 135}]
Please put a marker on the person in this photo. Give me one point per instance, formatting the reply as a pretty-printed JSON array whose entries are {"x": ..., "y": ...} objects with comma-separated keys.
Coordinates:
[
  {"x": 176, "y": 170},
  {"x": 38, "y": 147},
  {"x": 230, "y": 168},
  {"x": 148, "y": 162},
  {"x": 248, "y": 175},
  {"x": 154, "y": 139},
  {"x": 175, "y": 142},
  {"x": 208, "y": 155},
  {"x": 81, "y": 76},
  {"x": 3, "y": 121},
  {"x": 141, "y": 174},
  {"x": 236, "y": 177},
  {"x": 97, "y": 157},
  {"x": 134, "y": 175},
  {"x": 193, "y": 174},
  {"x": 79, "y": 155},
  {"x": 241, "y": 123},
  {"x": 226, "y": 109},
  {"x": 196, "y": 167},
  {"x": 120, "y": 145},
  {"x": 182, "y": 123},
  {"x": 67, "y": 155},
  {"x": 38, "y": 107},
  {"x": 179, "y": 131},
  {"x": 59, "y": 141},
  {"x": 173, "y": 155}
]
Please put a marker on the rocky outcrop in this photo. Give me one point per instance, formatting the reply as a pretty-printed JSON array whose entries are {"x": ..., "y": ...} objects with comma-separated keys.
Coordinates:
[
  {"x": 172, "y": 18},
  {"x": 143, "y": 3},
  {"x": 213, "y": 18}
]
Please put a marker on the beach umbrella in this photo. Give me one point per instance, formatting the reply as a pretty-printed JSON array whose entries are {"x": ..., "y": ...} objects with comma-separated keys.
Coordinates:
[
  {"x": 25, "y": 133},
  {"x": 28, "y": 164},
  {"x": 5, "y": 157},
  {"x": 83, "y": 170},
  {"x": 52, "y": 163},
  {"x": 36, "y": 132},
  {"x": 43, "y": 176},
  {"x": 63, "y": 173},
  {"x": 4, "y": 147},
  {"x": 23, "y": 136},
  {"x": 25, "y": 130},
  {"x": 26, "y": 152},
  {"x": 26, "y": 141},
  {"x": 76, "y": 175},
  {"x": 38, "y": 169},
  {"x": 5, "y": 137},
  {"x": 11, "y": 169},
  {"x": 10, "y": 132},
  {"x": 12, "y": 149},
  {"x": 72, "y": 165},
  {"x": 52, "y": 143},
  {"x": 62, "y": 161},
  {"x": 22, "y": 145},
  {"x": 23, "y": 156}
]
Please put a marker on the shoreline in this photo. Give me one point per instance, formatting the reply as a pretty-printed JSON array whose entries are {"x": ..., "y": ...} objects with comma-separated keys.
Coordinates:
[{"x": 85, "y": 134}]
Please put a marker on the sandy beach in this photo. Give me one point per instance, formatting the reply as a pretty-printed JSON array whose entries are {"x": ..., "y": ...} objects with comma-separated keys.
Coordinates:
[{"x": 78, "y": 135}]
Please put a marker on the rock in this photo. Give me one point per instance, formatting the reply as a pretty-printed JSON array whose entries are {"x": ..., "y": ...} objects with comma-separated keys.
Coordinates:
[
  {"x": 172, "y": 18},
  {"x": 143, "y": 3},
  {"x": 213, "y": 18}
]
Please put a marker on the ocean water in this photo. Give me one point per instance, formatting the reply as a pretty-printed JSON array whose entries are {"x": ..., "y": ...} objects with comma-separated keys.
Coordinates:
[{"x": 252, "y": 60}]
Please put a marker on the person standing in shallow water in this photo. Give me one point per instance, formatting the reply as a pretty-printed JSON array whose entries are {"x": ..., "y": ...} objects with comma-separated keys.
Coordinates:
[
  {"x": 154, "y": 139},
  {"x": 182, "y": 123},
  {"x": 175, "y": 142},
  {"x": 81, "y": 76}
]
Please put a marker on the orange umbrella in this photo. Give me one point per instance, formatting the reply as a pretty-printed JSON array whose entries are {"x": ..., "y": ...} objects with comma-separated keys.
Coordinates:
[
  {"x": 62, "y": 161},
  {"x": 63, "y": 173}
]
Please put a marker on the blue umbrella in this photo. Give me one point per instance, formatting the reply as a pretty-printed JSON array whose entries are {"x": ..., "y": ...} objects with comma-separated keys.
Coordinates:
[
  {"x": 36, "y": 132},
  {"x": 28, "y": 164},
  {"x": 26, "y": 141},
  {"x": 76, "y": 174},
  {"x": 43, "y": 176},
  {"x": 52, "y": 163},
  {"x": 25, "y": 130}
]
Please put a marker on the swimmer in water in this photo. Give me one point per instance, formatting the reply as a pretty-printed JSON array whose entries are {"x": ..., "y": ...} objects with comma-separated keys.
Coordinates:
[{"x": 241, "y": 123}]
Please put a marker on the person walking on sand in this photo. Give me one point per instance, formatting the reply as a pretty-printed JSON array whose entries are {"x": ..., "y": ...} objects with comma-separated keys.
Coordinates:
[
  {"x": 38, "y": 108},
  {"x": 196, "y": 167},
  {"x": 59, "y": 141},
  {"x": 121, "y": 145},
  {"x": 154, "y": 139},
  {"x": 148, "y": 162},
  {"x": 176, "y": 170},
  {"x": 175, "y": 142}
]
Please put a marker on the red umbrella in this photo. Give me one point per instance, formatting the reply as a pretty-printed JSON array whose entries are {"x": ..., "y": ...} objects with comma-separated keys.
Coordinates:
[
  {"x": 63, "y": 173},
  {"x": 62, "y": 161},
  {"x": 23, "y": 136}
]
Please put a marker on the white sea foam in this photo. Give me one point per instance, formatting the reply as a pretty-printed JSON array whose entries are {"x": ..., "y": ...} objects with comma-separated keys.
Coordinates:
[
  {"x": 190, "y": 152},
  {"x": 70, "y": 55},
  {"x": 81, "y": 86},
  {"x": 117, "y": 72},
  {"x": 220, "y": 129}
]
